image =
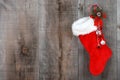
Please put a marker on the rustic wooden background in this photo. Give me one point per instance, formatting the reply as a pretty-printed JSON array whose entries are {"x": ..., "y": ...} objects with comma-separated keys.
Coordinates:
[{"x": 36, "y": 42}]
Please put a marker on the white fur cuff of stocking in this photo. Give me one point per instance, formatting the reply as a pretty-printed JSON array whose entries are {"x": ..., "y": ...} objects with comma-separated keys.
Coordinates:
[{"x": 83, "y": 26}]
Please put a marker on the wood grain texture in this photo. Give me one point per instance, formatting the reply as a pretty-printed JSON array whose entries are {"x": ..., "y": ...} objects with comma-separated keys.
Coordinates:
[
  {"x": 118, "y": 39},
  {"x": 20, "y": 25},
  {"x": 49, "y": 40},
  {"x": 57, "y": 58},
  {"x": 110, "y": 35},
  {"x": 36, "y": 41},
  {"x": 68, "y": 50}
]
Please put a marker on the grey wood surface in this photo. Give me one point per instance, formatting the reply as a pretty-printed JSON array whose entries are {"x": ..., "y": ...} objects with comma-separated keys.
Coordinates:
[
  {"x": 19, "y": 36},
  {"x": 36, "y": 41},
  {"x": 118, "y": 38}
]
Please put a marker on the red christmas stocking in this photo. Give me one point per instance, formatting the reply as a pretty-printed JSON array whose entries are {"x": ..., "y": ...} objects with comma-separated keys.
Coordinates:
[{"x": 89, "y": 31}]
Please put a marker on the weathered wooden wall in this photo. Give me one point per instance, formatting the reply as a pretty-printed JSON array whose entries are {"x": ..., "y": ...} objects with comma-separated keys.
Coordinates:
[{"x": 36, "y": 41}]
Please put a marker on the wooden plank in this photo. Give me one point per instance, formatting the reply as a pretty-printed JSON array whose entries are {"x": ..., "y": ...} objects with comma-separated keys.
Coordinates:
[
  {"x": 2, "y": 47},
  {"x": 118, "y": 38},
  {"x": 49, "y": 40},
  {"x": 58, "y": 58},
  {"x": 84, "y": 55},
  {"x": 110, "y": 34},
  {"x": 3, "y": 30},
  {"x": 19, "y": 24},
  {"x": 68, "y": 43},
  {"x": 81, "y": 54},
  {"x": 6, "y": 20}
]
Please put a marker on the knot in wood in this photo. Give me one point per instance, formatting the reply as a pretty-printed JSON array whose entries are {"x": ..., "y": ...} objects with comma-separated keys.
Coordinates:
[
  {"x": 25, "y": 50},
  {"x": 80, "y": 6}
]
